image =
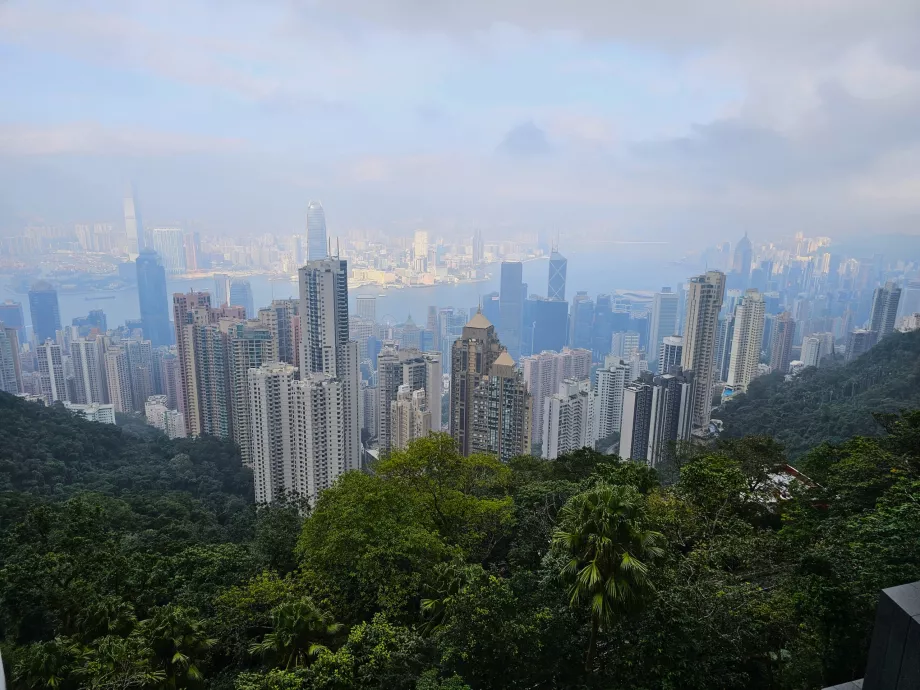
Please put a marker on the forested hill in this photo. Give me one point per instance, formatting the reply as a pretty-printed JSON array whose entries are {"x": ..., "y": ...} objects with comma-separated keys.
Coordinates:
[
  {"x": 128, "y": 561},
  {"x": 831, "y": 403}
]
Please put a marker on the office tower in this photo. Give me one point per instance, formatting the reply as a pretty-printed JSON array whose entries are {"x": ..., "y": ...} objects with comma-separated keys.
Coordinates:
[
  {"x": 741, "y": 265},
  {"x": 663, "y": 323},
  {"x": 670, "y": 410},
  {"x": 491, "y": 307},
  {"x": 545, "y": 325},
  {"x": 569, "y": 420},
  {"x": 46, "y": 314},
  {"x": 88, "y": 357},
  {"x": 859, "y": 342},
  {"x": 366, "y": 307},
  {"x": 412, "y": 368},
  {"x": 704, "y": 300},
  {"x": 169, "y": 243},
  {"x": 724, "y": 338},
  {"x": 781, "y": 342},
  {"x": 361, "y": 331},
  {"x": 279, "y": 318},
  {"x": 420, "y": 250},
  {"x": 670, "y": 353},
  {"x": 884, "y": 313},
  {"x": 250, "y": 346},
  {"x": 118, "y": 380},
  {"x": 326, "y": 350},
  {"x": 410, "y": 417},
  {"x": 610, "y": 382},
  {"x": 581, "y": 321},
  {"x": 472, "y": 357},
  {"x": 604, "y": 324},
  {"x": 411, "y": 335},
  {"x": 512, "y": 306},
  {"x": 12, "y": 316},
  {"x": 748, "y": 337},
  {"x": 316, "y": 232},
  {"x": 151, "y": 294},
  {"x": 624, "y": 343},
  {"x": 634, "y": 430},
  {"x": 51, "y": 372},
  {"x": 10, "y": 366},
  {"x": 478, "y": 253},
  {"x": 555, "y": 285},
  {"x": 192, "y": 243},
  {"x": 161, "y": 416},
  {"x": 134, "y": 228},
  {"x": 501, "y": 412},
  {"x": 277, "y": 465},
  {"x": 241, "y": 296},
  {"x": 221, "y": 290}
]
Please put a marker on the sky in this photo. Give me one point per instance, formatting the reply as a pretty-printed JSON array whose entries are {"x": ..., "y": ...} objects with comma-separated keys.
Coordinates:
[{"x": 668, "y": 121}]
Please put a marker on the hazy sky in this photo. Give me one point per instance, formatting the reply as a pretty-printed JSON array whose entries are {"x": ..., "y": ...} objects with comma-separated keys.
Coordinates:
[{"x": 680, "y": 121}]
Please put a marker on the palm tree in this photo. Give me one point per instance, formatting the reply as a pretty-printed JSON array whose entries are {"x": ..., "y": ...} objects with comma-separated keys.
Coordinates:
[
  {"x": 299, "y": 627},
  {"x": 608, "y": 550},
  {"x": 45, "y": 664},
  {"x": 448, "y": 580},
  {"x": 178, "y": 642}
]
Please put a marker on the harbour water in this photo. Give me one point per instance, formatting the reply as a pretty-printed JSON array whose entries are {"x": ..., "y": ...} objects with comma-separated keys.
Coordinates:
[{"x": 633, "y": 267}]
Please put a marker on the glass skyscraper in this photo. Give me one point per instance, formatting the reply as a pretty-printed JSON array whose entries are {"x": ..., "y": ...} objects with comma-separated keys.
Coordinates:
[
  {"x": 151, "y": 294},
  {"x": 45, "y": 311},
  {"x": 241, "y": 296},
  {"x": 511, "y": 302},
  {"x": 316, "y": 232},
  {"x": 558, "y": 265}
]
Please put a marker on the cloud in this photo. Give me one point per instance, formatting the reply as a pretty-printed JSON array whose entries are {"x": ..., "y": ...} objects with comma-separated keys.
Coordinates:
[{"x": 525, "y": 140}]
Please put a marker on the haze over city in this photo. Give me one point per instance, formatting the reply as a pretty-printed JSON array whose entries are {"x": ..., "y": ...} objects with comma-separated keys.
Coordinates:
[{"x": 679, "y": 123}]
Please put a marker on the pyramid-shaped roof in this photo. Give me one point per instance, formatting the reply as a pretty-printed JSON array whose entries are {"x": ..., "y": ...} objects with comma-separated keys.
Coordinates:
[{"x": 478, "y": 321}]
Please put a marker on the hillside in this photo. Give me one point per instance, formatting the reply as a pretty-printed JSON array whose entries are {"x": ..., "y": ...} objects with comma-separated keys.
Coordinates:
[
  {"x": 832, "y": 403},
  {"x": 128, "y": 561}
]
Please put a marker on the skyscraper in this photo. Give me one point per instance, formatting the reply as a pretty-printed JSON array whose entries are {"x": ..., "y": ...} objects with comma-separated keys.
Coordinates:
[
  {"x": 221, "y": 289},
  {"x": 279, "y": 318},
  {"x": 663, "y": 323},
  {"x": 741, "y": 265},
  {"x": 134, "y": 228},
  {"x": 501, "y": 412},
  {"x": 241, "y": 296},
  {"x": 781, "y": 342},
  {"x": 276, "y": 463},
  {"x": 558, "y": 266},
  {"x": 472, "y": 357},
  {"x": 569, "y": 419},
  {"x": 884, "y": 313},
  {"x": 704, "y": 300},
  {"x": 118, "y": 380},
  {"x": 169, "y": 243},
  {"x": 88, "y": 356},
  {"x": 12, "y": 316},
  {"x": 512, "y": 306},
  {"x": 250, "y": 346},
  {"x": 46, "y": 314},
  {"x": 405, "y": 367},
  {"x": 151, "y": 295},
  {"x": 366, "y": 307},
  {"x": 327, "y": 351},
  {"x": 725, "y": 336},
  {"x": 859, "y": 342},
  {"x": 10, "y": 367},
  {"x": 748, "y": 337},
  {"x": 545, "y": 325},
  {"x": 634, "y": 431},
  {"x": 543, "y": 375},
  {"x": 51, "y": 372},
  {"x": 316, "y": 232},
  {"x": 410, "y": 416},
  {"x": 671, "y": 354},
  {"x": 189, "y": 310},
  {"x": 581, "y": 321},
  {"x": 611, "y": 381},
  {"x": 669, "y": 414}
]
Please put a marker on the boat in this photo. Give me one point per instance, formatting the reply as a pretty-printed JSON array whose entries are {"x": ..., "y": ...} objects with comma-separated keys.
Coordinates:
[{"x": 92, "y": 299}]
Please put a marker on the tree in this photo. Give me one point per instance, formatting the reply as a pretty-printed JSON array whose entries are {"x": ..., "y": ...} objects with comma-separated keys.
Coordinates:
[
  {"x": 602, "y": 534},
  {"x": 299, "y": 631},
  {"x": 46, "y": 665},
  {"x": 178, "y": 642},
  {"x": 117, "y": 663}
]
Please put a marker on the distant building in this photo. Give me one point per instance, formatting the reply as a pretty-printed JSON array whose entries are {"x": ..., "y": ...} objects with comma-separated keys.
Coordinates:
[
  {"x": 416, "y": 370},
  {"x": 782, "y": 340},
  {"x": 704, "y": 301},
  {"x": 815, "y": 347},
  {"x": 410, "y": 417},
  {"x": 581, "y": 321},
  {"x": 512, "y": 306},
  {"x": 241, "y": 296},
  {"x": 624, "y": 343},
  {"x": 94, "y": 412},
  {"x": 366, "y": 307},
  {"x": 611, "y": 382},
  {"x": 282, "y": 319},
  {"x": 569, "y": 419},
  {"x": 859, "y": 342},
  {"x": 558, "y": 267},
  {"x": 317, "y": 247},
  {"x": 662, "y": 324},
  {"x": 748, "y": 337},
  {"x": 51, "y": 372},
  {"x": 544, "y": 374},
  {"x": 884, "y": 313},
  {"x": 88, "y": 357},
  {"x": 670, "y": 410},
  {"x": 741, "y": 265},
  {"x": 11, "y": 315},
  {"x": 169, "y": 243},
  {"x": 249, "y": 346},
  {"x": 159, "y": 415},
  {"x": 501, "y": 412},
  {"x": 670, "y": 353},
  {"x": 118, "y": 380},
  {"x": 634, "y": 430},
  {"x": 10, "y": 366},
  {"x": 221, "y": 290},
  {"x": 45, "y": 311},
  {"x": 472, "y": 357}
]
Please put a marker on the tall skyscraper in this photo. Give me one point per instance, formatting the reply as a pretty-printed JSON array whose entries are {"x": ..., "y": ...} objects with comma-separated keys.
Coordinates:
[
  {"x": 501, "y": 412},
  {"x": 815, "y": 347},
  {"x": 45, "y": 311},
  {"x": 88, "y": 357},
  {"x": 512, "y": 306},
  {"x": 189, "y": 310},
  {"x": 610, "y": 382},
  {"x": 884, "y": 313},
  {"x": 12, "y": 316},
  {"x": 366, "y": 307},
  {"x": 741, "y": 265},
  {"x": 624, "y": 343},
  {"x": 478, "y": 248},
  {"x": 420, "y": 250},
  {"x": 134, "y": 228},
  {"x": 663, "y": 323},
  {"x": 51, "y": 372},
  {"x": 669, "y": 414},
  {"x": 221, "y": 289},
  {"x": 326, "y": 350},
  {"x": 725, "y": 336},
  {"x": 241, "y": 296},
  {"x": 151, "y": 294},
  {"x": 545, "y": 325},
  {"x": 169, "y": 243},
  {"x": 704, "y": 301},
  {"x": 317, "y": 247},
  {"x": 472, "y": 357},
  {"x": 569, "y": 419},
  {"x": 250, "y": 346},
  {"x": 748, "y": 337},
  {"x": 280, "y": 319},
  {"x": 558, "y": 266},
  {"x": 10, "y": 366},
  {"x": 274, "y": 448},
  {"x": 781, "y": 342},
  {"x": 159, "y": 415},
  {"x": 581, "y": 321},
  {"x": 859, "y": 342},
  {"x": 544, "y": 374},
  {"x": 410, "y": 417},
  {"x": 405, "y": 367},
  {"x": 671, "y": 353},
  {"x": 634, "y": 431}
]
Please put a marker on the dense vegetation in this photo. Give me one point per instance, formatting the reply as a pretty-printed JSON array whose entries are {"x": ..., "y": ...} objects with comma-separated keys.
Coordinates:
[
  {"x": 128, "y": 561},
  {"x": 831, "y": 403}
]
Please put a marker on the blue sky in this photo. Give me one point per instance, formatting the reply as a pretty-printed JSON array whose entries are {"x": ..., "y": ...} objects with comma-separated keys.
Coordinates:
[{"x": 595, "y": 117}]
